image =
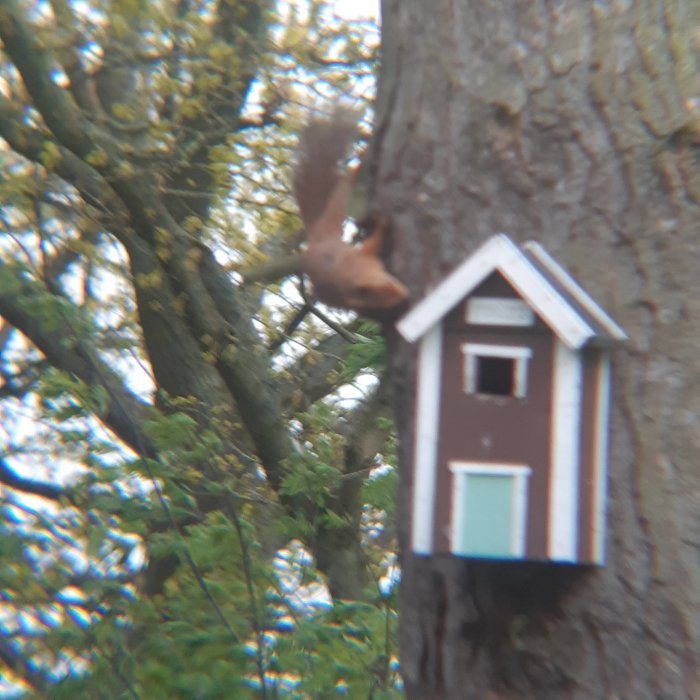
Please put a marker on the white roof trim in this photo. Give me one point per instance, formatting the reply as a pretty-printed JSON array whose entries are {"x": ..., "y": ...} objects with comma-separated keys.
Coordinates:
[
  {"x": 576, "y": 291},
  {"x": 501, "y": 254},
  {"x": 451, "y": 290},
  {"x": 546, "y": 301}
]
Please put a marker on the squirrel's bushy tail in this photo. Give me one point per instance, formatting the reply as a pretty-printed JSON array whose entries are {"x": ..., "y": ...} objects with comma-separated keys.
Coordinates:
[{"x": 323, "y": 144}]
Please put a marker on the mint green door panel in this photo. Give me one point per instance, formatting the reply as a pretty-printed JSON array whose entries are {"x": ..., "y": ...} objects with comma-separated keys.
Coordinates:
[{"x": 487, "y": 521}]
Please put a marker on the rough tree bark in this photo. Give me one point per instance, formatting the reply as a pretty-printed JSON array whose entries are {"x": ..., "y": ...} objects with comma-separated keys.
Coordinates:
[{"x": 575, "y": 124}]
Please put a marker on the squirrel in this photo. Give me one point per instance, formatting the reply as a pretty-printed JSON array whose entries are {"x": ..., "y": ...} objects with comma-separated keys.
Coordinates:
[{"x": 345, "y": 276}]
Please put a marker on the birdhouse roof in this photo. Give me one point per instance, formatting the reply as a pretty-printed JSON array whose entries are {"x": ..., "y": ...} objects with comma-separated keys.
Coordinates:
[{"x": 550, "y": 291}]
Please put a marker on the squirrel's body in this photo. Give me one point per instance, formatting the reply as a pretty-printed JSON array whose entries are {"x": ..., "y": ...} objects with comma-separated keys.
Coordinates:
[{"x": 350, "y": 277}]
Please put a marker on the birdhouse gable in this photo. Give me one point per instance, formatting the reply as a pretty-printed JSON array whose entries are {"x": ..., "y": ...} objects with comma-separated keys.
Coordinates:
[{"x": 544, "y": 288}]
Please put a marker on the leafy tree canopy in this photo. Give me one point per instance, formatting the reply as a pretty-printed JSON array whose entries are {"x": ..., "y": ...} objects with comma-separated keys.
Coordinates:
[{"x": 195, "y": 485}]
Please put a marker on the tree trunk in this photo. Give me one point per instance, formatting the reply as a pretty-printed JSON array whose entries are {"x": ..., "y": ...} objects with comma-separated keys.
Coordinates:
[{"x": 576, "y": 124}]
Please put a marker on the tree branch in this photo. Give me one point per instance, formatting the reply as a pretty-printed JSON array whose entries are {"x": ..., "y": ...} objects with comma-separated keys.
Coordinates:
[
  {"x": 240, "y": 25},
  {"x": 243, "y": 363},
  {"x": 168, "y": 340},
  {"x": 337, "y": 549},
  {"x": 272, "y": 270},
  {"x": 37, "y": 146},
  {"x": 25, "y": 668},
  {"x": 8, "y": 477},
  {"x": 80, "y": 81},
  {"x": 19, "y": 383},
  {"x": 32, "y": 61},
  {"x": 214, "y": 312},
  {"x": 316, "y": 373},
  {"x": 126, "y": 412},
  {"x": 139, "y": 192}
]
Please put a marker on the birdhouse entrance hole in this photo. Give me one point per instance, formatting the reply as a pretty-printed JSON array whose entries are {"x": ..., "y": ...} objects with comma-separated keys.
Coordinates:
[{"x": 494, "y": 375}]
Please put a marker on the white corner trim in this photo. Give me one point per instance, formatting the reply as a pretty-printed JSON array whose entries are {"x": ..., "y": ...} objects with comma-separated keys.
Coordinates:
[
  {"x": 600, "y": 456},
  {"x": 520, "y": 474},
  {"x": 576, "y": 291},
  {"x": 564, "y": 454},
  {"x": 426, "y": 439}
]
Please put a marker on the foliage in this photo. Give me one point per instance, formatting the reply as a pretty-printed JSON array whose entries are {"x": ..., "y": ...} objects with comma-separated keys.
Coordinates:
[{"x": 173, "y": 469}]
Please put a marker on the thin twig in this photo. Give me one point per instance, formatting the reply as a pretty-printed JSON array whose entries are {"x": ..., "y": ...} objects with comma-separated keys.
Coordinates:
[{"x": 350, "y": 337}]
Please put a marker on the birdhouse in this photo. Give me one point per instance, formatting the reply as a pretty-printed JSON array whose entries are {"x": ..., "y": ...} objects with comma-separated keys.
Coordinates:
[{"x": 512, "y": 408}]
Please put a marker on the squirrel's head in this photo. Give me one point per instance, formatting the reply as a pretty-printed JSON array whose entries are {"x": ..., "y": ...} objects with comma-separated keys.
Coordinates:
[
  {"x": 368, "y": 286},
  {"x": 351, "y": 278}
]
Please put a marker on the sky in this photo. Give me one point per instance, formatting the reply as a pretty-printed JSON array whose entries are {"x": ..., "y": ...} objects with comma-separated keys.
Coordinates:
[{"x": 357, "y": 8}]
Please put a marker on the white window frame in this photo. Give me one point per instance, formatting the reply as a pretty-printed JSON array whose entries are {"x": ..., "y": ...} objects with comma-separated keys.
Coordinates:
[
  {"x": 520, "y": 355},
  {"x": 520, "y": 474}
]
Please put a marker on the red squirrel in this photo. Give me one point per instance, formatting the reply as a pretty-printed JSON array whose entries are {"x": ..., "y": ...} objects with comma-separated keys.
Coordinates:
[{"x": 345, "y": 276}]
